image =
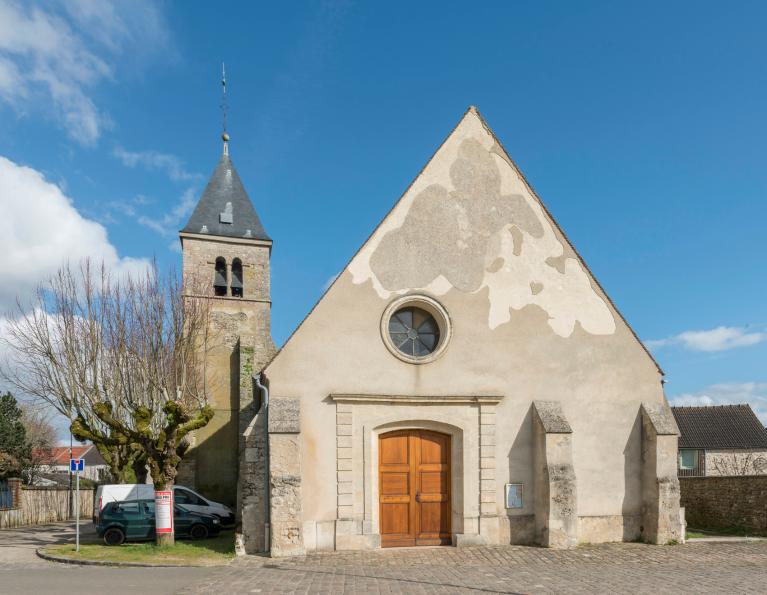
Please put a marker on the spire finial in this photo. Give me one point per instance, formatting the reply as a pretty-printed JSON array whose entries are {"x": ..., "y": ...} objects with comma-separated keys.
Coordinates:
[{"x": 224, "y": 109}]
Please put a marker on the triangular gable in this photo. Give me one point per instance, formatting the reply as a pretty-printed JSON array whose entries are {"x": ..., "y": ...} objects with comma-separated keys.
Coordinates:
[{"x": 471, "y": 221}]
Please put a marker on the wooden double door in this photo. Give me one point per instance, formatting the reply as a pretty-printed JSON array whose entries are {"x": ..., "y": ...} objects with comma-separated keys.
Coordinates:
[{"x": 414, "y": 488}]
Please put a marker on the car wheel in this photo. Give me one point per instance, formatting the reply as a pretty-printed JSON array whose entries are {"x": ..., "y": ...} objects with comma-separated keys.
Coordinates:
[
  {"x": 114, "y": 536},
  {"x": 198, "y": 532}
]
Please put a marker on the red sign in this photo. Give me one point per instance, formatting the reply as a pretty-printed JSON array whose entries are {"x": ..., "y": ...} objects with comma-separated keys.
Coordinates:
[{"x": 163, "y": 511}]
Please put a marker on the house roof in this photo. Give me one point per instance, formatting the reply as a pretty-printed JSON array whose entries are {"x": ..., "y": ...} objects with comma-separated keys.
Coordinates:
[
  {"x": 59, "y": 455},
  {"x": 721, "y": 426},
  {"x": 224, "y": 208}
]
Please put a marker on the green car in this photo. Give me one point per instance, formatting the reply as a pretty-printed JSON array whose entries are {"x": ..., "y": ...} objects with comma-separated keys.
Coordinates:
[{"x": 133, "y": 520}]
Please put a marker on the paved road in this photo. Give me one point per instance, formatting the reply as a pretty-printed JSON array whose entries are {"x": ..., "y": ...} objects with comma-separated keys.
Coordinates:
[
  {"x": 22, "y": 572},
  {"x": 612, "y": 568}
]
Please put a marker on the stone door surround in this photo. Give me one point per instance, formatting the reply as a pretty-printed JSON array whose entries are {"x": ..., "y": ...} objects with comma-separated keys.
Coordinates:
[{"x": 470, "y": 422}]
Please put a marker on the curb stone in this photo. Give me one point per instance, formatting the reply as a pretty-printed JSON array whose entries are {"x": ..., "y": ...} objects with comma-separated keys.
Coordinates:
[{"x": 41, "y": 553}]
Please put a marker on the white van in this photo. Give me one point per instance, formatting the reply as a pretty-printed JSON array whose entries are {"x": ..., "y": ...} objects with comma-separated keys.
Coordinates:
[{"x": 145, "y": 491}]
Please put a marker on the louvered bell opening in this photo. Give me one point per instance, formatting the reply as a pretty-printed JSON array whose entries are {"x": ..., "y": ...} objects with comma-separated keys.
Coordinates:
[
  {"x": 219, "y": 280},
  {"x": 237, "y": 286}
]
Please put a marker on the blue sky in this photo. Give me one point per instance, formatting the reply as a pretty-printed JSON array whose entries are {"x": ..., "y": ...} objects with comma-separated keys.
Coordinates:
[{"x": 642, "y": 127}]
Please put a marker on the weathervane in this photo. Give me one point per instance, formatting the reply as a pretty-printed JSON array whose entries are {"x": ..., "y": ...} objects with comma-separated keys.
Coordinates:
[{"x": 224, "y": 109}]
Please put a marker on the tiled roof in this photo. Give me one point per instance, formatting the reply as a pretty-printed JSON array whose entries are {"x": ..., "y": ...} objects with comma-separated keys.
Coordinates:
[
  {"x": 59, "y": 455},
  {"x": 721, "y": 426},
  {"x": 224, "y": 208}
]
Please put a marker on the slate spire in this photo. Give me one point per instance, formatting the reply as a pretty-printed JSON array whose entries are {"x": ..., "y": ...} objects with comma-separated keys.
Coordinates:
[{"x": 224, "y": 208}]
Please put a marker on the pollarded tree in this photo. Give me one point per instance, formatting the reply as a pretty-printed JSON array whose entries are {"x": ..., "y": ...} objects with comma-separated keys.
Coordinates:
[{"x": 123, "y": 359}]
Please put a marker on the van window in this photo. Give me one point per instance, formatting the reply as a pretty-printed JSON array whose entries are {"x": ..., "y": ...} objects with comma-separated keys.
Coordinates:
[{"x": 186, "y": 497}]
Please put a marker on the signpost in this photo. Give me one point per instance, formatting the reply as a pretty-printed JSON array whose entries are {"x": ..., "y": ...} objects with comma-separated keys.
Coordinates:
[{"x": 77, "y": 465}]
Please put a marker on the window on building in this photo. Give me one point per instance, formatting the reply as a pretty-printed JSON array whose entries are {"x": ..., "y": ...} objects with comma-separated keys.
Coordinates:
[
  {"x": 237, "y": 287},
  {"x": 688, "y": 458},
  {"x": 414, "y": 331},
  {"x": 219, "y": 281}
]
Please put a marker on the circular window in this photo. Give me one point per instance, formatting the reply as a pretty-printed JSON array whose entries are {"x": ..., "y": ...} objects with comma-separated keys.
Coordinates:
[{"x": 415, "y": 329}]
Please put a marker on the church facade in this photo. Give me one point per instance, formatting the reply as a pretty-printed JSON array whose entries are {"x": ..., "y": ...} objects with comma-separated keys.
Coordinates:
[{"x": 465, "y": 379}]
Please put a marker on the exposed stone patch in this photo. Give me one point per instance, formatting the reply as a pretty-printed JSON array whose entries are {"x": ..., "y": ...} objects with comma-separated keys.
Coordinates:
[
  {"x": 518, "y": 238},
  {"x": 469, "y": 208},
  {"x": 447, "y": 232},
  {"x": 284, "y": 416},
  {"x": 557, "y": 262},
  {"x": 495, "y": 265}
]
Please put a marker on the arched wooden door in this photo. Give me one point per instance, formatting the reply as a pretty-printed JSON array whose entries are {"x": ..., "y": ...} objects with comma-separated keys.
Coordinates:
[{"x": 414, "y": 488}]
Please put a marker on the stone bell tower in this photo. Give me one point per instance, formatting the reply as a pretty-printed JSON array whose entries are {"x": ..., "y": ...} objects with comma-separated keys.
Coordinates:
[{"x": 226, "y": 260}]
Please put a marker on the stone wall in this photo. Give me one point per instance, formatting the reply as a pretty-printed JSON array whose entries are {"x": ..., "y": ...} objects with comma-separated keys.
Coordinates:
[
  {"x": 717, "y": 503},
  {"x": 285, "y": 499},
  {"x": 240, "y": 345}
]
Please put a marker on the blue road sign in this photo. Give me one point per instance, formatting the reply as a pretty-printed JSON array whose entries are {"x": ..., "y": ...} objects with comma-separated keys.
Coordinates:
[{"x": 77, "y": 464}]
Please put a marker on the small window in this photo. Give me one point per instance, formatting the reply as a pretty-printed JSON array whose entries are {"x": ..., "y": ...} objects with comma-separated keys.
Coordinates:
[
  {"x": 688, "y": 458},
  {"x": 237, "y": 287},
  {"x": 219, "y": 281}
]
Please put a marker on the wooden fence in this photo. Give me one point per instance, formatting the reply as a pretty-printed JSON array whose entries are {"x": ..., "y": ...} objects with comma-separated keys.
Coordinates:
[{"x": 41, "y": 506}]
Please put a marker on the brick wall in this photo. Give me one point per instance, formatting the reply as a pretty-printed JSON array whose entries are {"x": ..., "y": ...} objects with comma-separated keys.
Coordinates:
[{"x": 717, "y": 503}]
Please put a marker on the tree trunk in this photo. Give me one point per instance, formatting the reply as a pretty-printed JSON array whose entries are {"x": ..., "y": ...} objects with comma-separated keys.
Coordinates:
[
  {"x": 139, "y": 469},
  {"x": 163, "y": 531}
]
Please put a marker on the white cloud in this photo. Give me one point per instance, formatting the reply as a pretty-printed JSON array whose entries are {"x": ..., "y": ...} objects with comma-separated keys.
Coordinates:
[
  {"x": 173, "y": 167},
  {"x": 170, "y": 165},
  {"x": 733, "y": 393},
  {"x": 59, "y": 52},
  {"x": 167, "y": 224},
  {"x": 720, "y": 338},
  {"x": 40, "y": 230}
]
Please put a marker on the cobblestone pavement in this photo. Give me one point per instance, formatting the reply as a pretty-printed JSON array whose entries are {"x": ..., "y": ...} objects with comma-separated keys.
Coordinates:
[{"x": 611, "y": 568}]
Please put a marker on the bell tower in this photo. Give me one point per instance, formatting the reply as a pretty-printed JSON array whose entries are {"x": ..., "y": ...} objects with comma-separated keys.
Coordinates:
[{"x": 226, "y": 255}]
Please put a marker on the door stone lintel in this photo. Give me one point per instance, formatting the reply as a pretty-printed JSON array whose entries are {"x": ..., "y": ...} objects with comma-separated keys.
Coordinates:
[{"x": 417, "y": 399}]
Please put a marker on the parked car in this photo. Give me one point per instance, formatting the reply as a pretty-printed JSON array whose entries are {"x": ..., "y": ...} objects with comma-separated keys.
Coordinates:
[
  {"x": 183, "y": 495},
  {"x": 134, "y": 520}
]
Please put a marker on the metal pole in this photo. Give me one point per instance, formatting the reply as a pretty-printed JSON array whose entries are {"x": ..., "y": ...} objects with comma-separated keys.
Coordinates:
[
  {"x": 69, "y": 504},
  {"x": 77, "y": 510}
]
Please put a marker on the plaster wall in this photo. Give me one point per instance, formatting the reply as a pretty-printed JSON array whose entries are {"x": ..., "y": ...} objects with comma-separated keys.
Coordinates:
[
  {"x": 736, "y": 462},
  {"x": 528, "y": 323}
]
